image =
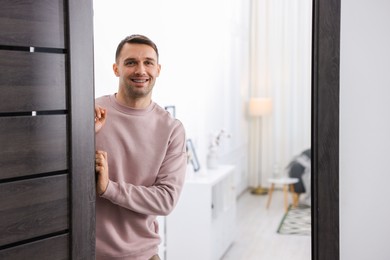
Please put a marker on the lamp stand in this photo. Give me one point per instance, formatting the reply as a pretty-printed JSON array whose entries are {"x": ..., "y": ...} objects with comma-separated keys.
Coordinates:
[{"x": 259, "y": 190}]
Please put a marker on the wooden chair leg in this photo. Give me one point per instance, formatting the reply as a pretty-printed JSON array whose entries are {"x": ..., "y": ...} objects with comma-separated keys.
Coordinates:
[
  {"x": 285, "y": 192},
  {"x": 270, "y": 194},
  {"x": 295, "y": 199},
  {"x": 295, "y": 196}
]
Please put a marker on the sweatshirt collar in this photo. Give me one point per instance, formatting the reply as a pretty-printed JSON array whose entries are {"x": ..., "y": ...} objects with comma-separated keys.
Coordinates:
[{"x": 128, "y": 110}]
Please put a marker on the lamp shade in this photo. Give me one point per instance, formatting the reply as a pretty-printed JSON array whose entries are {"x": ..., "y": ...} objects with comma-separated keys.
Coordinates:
[{"x": 260, "y": 106}]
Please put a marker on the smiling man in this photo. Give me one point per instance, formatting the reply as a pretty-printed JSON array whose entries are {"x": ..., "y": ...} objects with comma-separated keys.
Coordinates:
[{"x": 140, "y": 157}]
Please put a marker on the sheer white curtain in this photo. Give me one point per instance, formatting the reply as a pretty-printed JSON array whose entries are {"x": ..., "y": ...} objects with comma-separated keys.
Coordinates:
[{"x": 280, "y": 70}]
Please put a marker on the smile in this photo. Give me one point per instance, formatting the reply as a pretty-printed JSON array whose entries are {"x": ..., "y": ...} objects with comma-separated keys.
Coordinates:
[{"x": 139, "y": 80}]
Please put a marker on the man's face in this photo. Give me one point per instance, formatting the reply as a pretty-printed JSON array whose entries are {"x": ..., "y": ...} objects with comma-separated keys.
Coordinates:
[{"x": 137, "y": 68}]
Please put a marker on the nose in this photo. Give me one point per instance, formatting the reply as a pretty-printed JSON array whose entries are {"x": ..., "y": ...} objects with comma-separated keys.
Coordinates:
[{"x": 140, "y": 70}]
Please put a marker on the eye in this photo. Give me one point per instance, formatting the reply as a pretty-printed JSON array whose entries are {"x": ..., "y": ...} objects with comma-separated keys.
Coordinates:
[
  {"x": 149, "y": 63},
  {"x": 129, "y": 63}
]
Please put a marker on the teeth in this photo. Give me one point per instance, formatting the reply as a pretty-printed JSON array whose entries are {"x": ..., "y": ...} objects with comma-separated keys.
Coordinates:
[{"x": 139, "y": 80}]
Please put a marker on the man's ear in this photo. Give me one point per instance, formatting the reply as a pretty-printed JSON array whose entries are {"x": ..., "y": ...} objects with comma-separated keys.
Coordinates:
[
  {"x": 115, "y": 69},
  {"x": 159, "y": 69}
]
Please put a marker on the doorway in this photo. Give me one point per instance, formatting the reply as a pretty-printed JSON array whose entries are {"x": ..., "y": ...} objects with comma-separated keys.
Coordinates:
[{"x": 325, "y": 89}]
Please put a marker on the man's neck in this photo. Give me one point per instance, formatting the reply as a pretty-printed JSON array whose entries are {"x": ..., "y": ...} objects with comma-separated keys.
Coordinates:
[{"x": 137, "y": 103}]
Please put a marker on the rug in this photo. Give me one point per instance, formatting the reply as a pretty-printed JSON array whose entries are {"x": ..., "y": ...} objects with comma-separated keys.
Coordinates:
[{"x": 297, "y": 221}]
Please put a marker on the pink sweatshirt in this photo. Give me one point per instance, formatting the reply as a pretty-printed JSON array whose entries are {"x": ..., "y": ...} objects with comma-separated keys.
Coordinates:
[{"x": 146, "y": 162}]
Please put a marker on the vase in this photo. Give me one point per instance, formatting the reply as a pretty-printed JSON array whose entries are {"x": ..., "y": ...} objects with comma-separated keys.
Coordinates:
[{"x": 212, "y": 159}]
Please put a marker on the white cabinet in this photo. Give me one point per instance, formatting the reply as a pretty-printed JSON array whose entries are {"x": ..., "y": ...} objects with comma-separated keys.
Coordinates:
[{"x": 202, "y": 226}]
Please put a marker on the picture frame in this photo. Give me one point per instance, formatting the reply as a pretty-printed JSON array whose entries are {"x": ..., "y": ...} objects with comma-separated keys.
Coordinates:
[
  {"x": 171, "y": 110},
  {"x": 191, "y": 155}
]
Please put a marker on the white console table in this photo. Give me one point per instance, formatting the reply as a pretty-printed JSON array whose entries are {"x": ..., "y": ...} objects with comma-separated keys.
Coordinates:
[{"x": 202, "y": 226}]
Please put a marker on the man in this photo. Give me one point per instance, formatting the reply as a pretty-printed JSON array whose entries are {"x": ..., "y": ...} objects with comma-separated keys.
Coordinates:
[{"x": 140, "y": 157}]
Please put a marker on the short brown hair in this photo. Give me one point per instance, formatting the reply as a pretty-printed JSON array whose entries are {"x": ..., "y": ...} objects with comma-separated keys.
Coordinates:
[{"x": 138, "y": 39}]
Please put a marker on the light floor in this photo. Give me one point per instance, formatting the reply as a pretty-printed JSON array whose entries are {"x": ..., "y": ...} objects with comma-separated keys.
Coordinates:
[{"x": 256, "y": 237}]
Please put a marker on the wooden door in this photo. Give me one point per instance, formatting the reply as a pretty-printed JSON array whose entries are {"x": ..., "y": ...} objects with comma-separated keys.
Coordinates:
[{"x": 46, "y": 130}]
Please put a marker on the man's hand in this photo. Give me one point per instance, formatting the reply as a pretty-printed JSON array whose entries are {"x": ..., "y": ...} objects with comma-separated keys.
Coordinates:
[
  {"x": 101, "y": 167},
  {"x": 100, "y": 118}
]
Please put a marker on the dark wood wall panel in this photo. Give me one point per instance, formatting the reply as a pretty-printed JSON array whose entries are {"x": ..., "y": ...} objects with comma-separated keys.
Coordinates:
[
  {"x": 32, "y": 81},
  {"x": 37, "y": 23},
  {"x": 51, "y": 248},
  {"x": 33, "y": 208},
  {"x": 31, "y": 145}
]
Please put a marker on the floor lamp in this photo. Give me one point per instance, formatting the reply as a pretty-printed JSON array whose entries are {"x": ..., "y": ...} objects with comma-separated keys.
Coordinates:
[{"x": 258, "y": 108}]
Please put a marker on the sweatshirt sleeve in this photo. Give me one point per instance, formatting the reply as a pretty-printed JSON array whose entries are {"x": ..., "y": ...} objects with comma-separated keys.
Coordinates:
[{"x": 162, "y": 196}]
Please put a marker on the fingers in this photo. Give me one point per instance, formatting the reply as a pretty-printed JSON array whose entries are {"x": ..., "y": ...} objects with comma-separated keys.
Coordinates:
[
  {"x": 102, "y": 153},
  {"x": 101, "y": 157},
  {"x": 99, "y": 113},
  {"x": 100, "y": 118},
  {"x": 101, "y": 167},
  {"x": 101, "y": 161}
]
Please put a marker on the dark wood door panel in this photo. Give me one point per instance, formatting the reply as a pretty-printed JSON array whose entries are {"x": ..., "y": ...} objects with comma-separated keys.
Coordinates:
[
  {"x": 24, "y": 193},
  {"x": 32, "y": 81},
  {"x": 33, "y": 208},
  {"x": 51, "y": 248},
  {"x": 31, "y": 145},
  {"x": 37, "y": 23},
  {"x": 45, "y": 214}
]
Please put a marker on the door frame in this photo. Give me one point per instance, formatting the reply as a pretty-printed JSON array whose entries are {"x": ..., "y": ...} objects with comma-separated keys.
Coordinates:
[
  {"x": 325, "y": 129},
  {"x": 81, "y": 128}
]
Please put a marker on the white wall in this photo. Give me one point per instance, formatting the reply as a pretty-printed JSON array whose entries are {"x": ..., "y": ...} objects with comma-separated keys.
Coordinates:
[
  {"x": 203, "y": 49},
  {"x": 365, "y": 130}
]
